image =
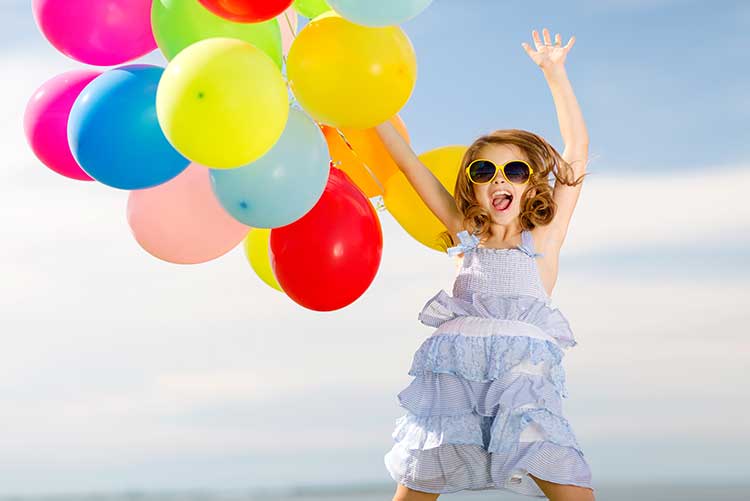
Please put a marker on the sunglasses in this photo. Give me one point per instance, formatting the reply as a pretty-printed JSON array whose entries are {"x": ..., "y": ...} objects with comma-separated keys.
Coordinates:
[{"x": 482, "y": 171}]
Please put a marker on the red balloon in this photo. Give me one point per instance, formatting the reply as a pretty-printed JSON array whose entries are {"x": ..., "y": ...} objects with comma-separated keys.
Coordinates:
[
  {"x": 246, "y": 11},
  {"x": 329, "y": 257}
]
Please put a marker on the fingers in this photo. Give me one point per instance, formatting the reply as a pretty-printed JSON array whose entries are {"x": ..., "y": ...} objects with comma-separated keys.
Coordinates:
[
  {"x": 537, "y": 41},
  {"x": 547, "y": 40}
]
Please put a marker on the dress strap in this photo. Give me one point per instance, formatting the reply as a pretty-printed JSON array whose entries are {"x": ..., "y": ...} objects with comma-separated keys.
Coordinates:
[
  {"x": 527, "y": 244},
  {"x": 468, "y": 242}
]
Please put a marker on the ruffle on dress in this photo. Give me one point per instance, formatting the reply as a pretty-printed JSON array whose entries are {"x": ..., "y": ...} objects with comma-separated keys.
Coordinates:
[
  {"x": 452, "y": 468},
  {"x": 464, "y": 435},
  {"x": 522, "y": 309},
  {"x": 432, "y": 394},
  {"x": 486, "y": 358},
  {"x": 500, "y": 433}
]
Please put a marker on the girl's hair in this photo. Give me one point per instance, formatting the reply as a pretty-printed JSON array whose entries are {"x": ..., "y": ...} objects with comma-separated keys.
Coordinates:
[{"x": 537, "y": 206}]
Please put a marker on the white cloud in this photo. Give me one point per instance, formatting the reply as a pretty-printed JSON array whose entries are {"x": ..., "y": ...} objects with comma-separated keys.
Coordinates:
[{"x": 627, "y": 212}]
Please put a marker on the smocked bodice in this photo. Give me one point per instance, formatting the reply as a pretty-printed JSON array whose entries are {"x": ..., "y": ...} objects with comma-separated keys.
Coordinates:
[{"x": 502, "y": 272}]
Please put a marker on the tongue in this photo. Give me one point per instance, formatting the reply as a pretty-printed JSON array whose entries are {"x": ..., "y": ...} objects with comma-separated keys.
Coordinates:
[{"x": 502, "y": 203}]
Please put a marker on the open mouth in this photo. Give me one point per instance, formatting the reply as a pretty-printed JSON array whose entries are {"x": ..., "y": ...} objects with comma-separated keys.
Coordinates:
[{"x": 501, "y": 200}]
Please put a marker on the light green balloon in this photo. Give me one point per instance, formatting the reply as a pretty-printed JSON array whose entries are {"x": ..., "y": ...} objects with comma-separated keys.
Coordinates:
[
  {"x": 311, "y": 8},
  {"x": 179, "y": 23}
]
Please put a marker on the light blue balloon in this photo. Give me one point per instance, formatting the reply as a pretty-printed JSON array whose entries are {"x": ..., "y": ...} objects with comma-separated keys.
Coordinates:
[
  {"x": 282, "y": 185},
  {"x": 380, "y": 13},
  {"x": 114, "y": 134}
]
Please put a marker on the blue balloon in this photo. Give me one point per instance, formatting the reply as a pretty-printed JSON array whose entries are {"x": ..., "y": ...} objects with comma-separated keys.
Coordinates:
[
  {"x": 380, "y": 13},
  {"x": 114, "y": 134},
  {"x": 282, "y": 185}
]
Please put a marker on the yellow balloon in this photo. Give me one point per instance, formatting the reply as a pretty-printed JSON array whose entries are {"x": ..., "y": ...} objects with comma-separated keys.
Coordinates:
[
  {"x": 324, "y": 14},
  {"x": 256, "y": 252},
  {"x": 407, "y": 207},
  {"x": 347, "y": 75},
  {"x": 222, "y": 102}
]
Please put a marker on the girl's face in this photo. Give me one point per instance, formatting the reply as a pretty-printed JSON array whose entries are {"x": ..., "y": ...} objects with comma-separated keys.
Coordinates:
[{"x": 499, "y": 197}]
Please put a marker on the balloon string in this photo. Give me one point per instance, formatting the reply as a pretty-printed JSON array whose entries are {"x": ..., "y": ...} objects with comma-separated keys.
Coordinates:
[
  {"x": 379, "y": 203},
  {"x": 364, "y": 164},
  {"x": 283, "y": 56},
  {"x": 289, "y": 23}
]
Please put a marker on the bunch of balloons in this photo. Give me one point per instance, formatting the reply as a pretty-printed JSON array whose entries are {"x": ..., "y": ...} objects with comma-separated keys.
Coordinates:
[{"x": 252, "y": 132}]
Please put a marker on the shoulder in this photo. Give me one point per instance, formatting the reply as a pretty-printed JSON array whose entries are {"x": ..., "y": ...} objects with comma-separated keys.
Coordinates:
[
  {"x": 454, "y": 236},
  {"x": 467, "y": 241},
  {"x": 453, "y": 232}
]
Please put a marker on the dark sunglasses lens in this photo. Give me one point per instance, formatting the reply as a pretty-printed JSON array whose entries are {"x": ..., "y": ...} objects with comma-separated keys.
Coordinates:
[
  {"x": 482, "y": 171},
  {"x": 517, "y": 172}
]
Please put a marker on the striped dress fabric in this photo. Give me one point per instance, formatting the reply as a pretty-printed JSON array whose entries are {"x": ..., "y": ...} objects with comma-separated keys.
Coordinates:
[{"x": 484, "y": 408}]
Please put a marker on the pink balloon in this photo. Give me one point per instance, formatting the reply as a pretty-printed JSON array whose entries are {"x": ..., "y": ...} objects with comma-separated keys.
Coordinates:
[
  {"x": 288, "y": 24},
  {"x": 46, "y": 121},
  {"x": 181, "y": 221},
  {"x": 98, "y": 32}
]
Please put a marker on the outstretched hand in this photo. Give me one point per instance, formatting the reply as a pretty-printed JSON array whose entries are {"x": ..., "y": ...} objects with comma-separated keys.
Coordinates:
[{"x": 548, "y": 56}]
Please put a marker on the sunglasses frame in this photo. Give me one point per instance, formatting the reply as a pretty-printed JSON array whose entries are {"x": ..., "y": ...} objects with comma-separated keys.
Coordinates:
[{"x": 499, "y": 168}]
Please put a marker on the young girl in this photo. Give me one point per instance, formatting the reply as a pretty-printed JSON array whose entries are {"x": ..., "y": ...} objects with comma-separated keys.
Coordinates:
[{"x": 484, "y": 410}]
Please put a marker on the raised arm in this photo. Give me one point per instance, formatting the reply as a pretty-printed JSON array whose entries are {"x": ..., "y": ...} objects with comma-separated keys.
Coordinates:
[
  {"x": 551, "y": 59},
  {"x": 428, "y": 187}
]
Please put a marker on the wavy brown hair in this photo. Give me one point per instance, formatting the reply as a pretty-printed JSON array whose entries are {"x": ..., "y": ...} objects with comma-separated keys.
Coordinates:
[{"x": 537, "y": 205}]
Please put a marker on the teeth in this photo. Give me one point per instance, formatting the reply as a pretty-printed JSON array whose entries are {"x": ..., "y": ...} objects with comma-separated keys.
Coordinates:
[{"x": 499, "y": 192}]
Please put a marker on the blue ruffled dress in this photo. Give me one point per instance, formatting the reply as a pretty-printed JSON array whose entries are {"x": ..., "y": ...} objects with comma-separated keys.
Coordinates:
[{"x": 485, "y": 405}]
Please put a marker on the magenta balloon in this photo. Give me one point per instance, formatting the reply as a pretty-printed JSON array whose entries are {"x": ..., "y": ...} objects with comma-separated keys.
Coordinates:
[
  {"x": 46, "y": 121},
  {"x": 181, "y": 221},
  {"x": 98, "y": 32}
]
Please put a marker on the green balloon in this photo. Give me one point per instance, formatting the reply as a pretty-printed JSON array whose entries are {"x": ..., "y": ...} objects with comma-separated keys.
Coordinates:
[
  {"x": 311, "y": 8},
  {"x": 179, "y": 23}
]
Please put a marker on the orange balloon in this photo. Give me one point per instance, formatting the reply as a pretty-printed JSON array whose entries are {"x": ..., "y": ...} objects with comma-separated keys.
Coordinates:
[{"x": 369, "y": 152}]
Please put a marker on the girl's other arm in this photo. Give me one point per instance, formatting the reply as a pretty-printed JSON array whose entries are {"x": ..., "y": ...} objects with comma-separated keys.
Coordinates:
[
  {"x": 551, "y": 59},
  {"x": 575, "y": 137},
  {"x": 428, "y": 187}
]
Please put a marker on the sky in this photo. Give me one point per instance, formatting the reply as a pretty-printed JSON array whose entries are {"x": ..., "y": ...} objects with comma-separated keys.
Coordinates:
[{"x": 120, "y": 371}]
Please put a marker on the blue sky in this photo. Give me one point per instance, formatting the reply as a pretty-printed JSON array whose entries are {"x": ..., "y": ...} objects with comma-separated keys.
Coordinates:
[
  {"x": 660, "y": 82},
  {"x": 120, "y": 371}
]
